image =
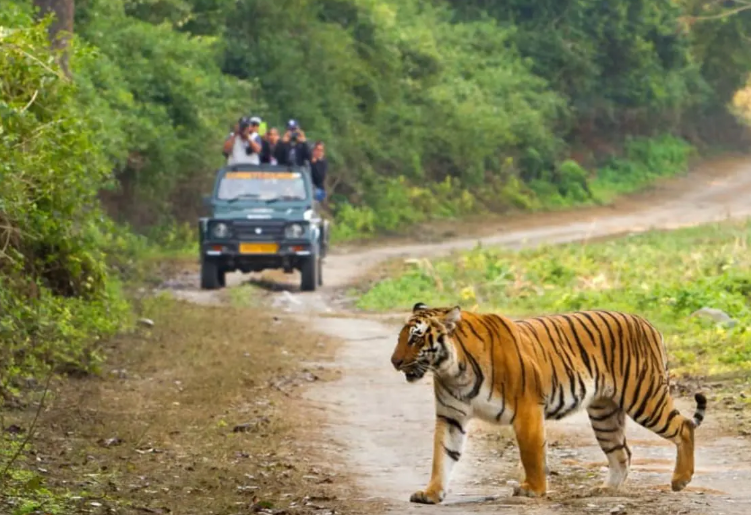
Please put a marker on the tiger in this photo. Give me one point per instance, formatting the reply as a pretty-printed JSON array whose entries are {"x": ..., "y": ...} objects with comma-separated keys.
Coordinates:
[{"x": 523, "y": 372}]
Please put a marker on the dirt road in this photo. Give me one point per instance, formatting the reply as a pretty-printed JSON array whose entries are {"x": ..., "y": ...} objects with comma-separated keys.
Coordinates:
[{"x": 386, "y": 425}]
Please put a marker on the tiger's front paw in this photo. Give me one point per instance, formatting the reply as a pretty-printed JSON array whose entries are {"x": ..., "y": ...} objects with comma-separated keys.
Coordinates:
[
  {"x": 525, "y": 490},
  {"x": 426, "y": 497}
]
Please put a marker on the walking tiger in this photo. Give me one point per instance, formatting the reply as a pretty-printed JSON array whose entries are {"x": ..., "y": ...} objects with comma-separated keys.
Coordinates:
[{"x": 522, "y": 372}]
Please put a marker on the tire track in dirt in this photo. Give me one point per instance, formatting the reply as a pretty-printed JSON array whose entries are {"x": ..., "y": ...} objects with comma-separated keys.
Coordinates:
[{"x": 386, "y": 425}]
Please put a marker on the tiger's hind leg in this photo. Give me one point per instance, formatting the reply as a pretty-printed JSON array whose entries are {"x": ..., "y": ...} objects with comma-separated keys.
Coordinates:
[
  {"x": 609, "y": 424},
  {"x": 657, "y": 413}
]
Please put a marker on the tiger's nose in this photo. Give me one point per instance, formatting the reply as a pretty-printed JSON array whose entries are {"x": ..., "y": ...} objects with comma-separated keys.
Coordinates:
[{"x": 396, "y": 362}]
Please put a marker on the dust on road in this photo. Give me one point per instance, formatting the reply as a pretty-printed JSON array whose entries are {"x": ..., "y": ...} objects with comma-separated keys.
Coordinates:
[{"x": 386, "y": 425}]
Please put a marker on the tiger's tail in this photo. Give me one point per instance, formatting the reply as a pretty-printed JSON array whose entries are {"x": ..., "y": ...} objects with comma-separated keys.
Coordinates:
[{"x": 701, "y": 408}]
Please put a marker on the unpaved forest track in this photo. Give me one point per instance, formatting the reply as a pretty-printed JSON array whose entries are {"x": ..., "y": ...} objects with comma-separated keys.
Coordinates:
[{"x": 386, "y": 425}]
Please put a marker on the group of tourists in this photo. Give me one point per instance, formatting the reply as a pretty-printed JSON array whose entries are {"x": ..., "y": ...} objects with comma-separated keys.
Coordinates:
[{"x": 247, "y": 143}]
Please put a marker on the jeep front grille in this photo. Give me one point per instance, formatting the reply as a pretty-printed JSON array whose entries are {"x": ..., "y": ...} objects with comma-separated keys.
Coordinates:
[{"x": 258, "y": 230}]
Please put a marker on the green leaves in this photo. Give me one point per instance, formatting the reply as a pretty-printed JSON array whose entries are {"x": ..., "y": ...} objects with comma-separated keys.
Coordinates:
[
  {"x": 56, "y": 294},
  {"x": 486, "y": 93},
  {"x": 161, "y": 104}
]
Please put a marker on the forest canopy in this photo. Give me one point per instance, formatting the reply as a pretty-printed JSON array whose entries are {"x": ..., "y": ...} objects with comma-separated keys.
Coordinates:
[{"x": 428, "y": 108}]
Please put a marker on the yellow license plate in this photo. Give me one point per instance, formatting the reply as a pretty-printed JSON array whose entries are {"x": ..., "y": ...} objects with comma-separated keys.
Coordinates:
[{"x": 258, "y": 248}]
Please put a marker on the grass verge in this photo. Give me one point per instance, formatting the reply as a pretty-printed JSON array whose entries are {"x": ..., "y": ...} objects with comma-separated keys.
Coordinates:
[
  {"x": 665, "y": 276},
  {"x": 396, "y": 206},
  {"x": 199, "y": 414}
]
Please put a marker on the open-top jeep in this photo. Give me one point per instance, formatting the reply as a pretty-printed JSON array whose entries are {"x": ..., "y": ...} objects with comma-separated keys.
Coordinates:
[{"x": 262, "y": 216}]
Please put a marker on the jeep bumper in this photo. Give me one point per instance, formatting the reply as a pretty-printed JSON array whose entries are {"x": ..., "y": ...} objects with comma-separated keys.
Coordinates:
[{"x": 258, "y": 255}]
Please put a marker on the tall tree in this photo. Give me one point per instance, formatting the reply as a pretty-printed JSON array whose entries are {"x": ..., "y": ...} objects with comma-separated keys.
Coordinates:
[{"x": 61, "y": 28}]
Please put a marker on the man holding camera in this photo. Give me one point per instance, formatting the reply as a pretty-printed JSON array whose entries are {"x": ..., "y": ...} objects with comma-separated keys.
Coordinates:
[
  {"x": 295, "y": 143},
  {"x": 244, "y": 145}
]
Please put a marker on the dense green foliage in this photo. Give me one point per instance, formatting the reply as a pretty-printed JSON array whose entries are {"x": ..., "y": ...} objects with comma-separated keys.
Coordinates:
[
  {"x": 493, "y": 97},
  {"x": 55, "y": 292},
  {"x": 429, "y": 108},
  {"x": 162, "y": 105},
  {"x": 627, "y": 274}
]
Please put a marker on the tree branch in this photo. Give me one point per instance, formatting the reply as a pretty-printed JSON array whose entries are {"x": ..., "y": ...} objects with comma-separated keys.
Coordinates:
[
  {"x": 745, "y": 5},
  {"x": 30, "y": 432}
]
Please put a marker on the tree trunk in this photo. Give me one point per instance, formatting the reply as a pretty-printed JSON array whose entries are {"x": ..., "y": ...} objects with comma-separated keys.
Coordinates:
[{"x": 61, "y": 28}]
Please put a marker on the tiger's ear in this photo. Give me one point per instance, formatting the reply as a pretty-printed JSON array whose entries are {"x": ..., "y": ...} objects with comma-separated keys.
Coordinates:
[
  {"x": 420, "y": 306},
  {"x": 452, "y": 318}
]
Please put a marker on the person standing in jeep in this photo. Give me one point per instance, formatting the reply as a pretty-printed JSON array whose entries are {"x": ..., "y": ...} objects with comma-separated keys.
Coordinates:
[
  {"x": 297, "y": 150},
  {"x": 318, "y": 168},
  {"x": 273, "y": 151},
  {"x": 244, "y": 146}
]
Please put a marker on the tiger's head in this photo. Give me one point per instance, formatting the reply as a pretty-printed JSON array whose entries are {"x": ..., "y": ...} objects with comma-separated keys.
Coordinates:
[{"x": 424, "y": 341}]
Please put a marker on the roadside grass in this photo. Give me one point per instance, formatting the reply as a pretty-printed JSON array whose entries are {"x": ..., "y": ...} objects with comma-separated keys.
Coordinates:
[
  {"x": 402, "y": 207},
  {"x": 664, "y": 276},
  {"x": 644, "y": 161},
  {"x": 147, "y": 260},
  {"x": 199, "y": 414}
]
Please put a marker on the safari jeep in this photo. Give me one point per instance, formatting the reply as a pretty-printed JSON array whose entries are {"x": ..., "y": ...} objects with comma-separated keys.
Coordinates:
[{"x": 262, "y": 217}]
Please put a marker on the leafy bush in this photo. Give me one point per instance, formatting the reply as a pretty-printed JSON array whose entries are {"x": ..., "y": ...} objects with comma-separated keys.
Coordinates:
[
  {"x": 644, "y": 160},
  {"x": 395, "y": 203},
  {"x": 56, "y": 293},
  {"x": 161, "y": 108},
  {"x": 627, "y": 274}
]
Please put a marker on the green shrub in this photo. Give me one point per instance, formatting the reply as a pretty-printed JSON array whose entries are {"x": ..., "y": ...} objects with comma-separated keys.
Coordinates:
[
  {"x": 627, "y": 274},
  {"x": 57, "y": 295},
  {"x": 644, "y": 160}
]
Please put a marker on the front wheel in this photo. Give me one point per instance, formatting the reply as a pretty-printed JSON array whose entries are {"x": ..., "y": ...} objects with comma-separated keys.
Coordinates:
[
  {"x": 211, "y": 277},
  {"x": 310, "y": 273}
]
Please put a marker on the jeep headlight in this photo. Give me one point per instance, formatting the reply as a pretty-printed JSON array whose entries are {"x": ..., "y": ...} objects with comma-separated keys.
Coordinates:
[
  {"x": 294, "y": 231},
  {"x": 220, "y": 230}
]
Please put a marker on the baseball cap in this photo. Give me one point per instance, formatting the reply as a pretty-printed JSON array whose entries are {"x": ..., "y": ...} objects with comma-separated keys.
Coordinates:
[
  {"x": 255, "y": 120},
  {"x": 292, "y": 124}
]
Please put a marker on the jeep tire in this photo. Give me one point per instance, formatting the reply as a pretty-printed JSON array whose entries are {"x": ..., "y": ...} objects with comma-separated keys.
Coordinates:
[
  {"x": 211, "y": 277},
  {"x": 309, "y": 272}
]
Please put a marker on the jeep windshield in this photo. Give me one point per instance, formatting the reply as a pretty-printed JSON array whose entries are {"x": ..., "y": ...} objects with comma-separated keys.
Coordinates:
[{"x": 262, "y": 186}]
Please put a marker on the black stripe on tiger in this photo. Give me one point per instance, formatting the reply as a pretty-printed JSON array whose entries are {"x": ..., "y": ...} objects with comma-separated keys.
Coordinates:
[
  {"x": 454, "y": 455},
  {"x": 452, "y": 423}
]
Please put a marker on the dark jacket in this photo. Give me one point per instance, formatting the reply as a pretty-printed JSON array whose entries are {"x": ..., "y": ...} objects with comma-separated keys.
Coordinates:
[
  {"x": 301, "y": 153},
  {"x": 318, "y": 173},
  {"x": 278, "y": 152}
]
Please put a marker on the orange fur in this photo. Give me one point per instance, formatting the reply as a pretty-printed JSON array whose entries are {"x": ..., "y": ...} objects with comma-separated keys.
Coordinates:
[{"x": 522, "y": 372}]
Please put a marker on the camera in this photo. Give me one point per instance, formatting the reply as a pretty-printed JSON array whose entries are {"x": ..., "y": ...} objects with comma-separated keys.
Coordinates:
[{"x": 294, "y": 136}]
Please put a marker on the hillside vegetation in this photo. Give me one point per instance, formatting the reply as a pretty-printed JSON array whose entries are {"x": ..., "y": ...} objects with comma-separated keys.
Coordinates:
[
  {"x": 627, "y": 274},
  {"x": 429, "y": 109},
  {"x": 57, "y": 297}
]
